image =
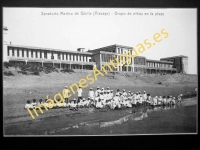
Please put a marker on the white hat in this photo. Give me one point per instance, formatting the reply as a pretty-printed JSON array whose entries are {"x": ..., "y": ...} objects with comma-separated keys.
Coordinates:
[
  {"x": 102, "y": 88},
  {"x": 91, "y": 88},
  {"x": 144, "y": 91},
  {"x": 66, "y": 86},
  {"x": 129, "y": 91},
  {"x": 107, "y": 87},
  {"x": 98, "y": 87},
  {"x": 117, "y": 94},
  {"x": 181, "y": 94},
  {"x": 88, "y": 97},
  {"x": 156, "y": 96},
  {"x": 83, "y": 99}
]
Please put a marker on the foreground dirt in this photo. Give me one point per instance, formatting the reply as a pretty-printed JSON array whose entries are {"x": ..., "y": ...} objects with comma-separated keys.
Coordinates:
[
  {"x": 175, "y": 120},
  {"x": 19, "y": 88}
]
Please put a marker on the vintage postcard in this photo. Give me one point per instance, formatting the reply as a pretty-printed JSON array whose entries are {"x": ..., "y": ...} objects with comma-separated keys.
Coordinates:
[{"x": 99, "y": 71}]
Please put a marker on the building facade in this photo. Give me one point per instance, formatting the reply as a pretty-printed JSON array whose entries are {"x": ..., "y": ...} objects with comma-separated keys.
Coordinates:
[{"x": 87, "y": 60}]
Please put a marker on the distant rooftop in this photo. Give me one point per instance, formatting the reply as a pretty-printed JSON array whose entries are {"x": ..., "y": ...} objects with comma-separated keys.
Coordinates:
[
  {"x": 48, "y": 49},
  {"x": 174, "y": 57},
  {"x": 161, "y": 61},
  {"x": 115, "y": 45}
]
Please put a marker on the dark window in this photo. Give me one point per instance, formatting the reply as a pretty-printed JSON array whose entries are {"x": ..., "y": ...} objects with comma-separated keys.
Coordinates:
[
  {"x": 136, "y": 61},
  {"x": 17, "y": 52},
  {"x": 40, "y": 54},
  {"x": 8, "y": 52},
  {"x": 22, "y": 53},
  {"x": 31, "y": 53},
  {"x": 58, "y": 56},
  {"x": 13, "y": 53},
  {"x": 66, "y": 55},
  {"x": 36, "y": 54},
  {"x": 52, "y": 57},
  {"x": 74, "y": 57},
  {"x": 27, "y": 53},
  {"x": 45, "y": 54},
  {"x": 62, "y": 56}
]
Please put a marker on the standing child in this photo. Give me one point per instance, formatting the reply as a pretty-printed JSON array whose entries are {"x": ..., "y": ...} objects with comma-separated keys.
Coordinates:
[
  {"x": 145, "y": 98},
  {"x": 179, "y": 99},
  {"x": 91, "y": 94},
  {"x": 164, "y": 100},
  {"x": 79, "y": 91},
  {"x": 173, "y": 101}
]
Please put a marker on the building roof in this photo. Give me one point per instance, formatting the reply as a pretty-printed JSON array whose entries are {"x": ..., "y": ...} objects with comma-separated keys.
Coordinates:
[
  {"x": 174, "y": 57},
  {"x": 115, "y": 45},
  {"x": 169, "y": 62},
  {"x": 49, "y": 49}
]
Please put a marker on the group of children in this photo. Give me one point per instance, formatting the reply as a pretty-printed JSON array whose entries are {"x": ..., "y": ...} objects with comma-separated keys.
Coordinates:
[{"x": 104, "y": 98}]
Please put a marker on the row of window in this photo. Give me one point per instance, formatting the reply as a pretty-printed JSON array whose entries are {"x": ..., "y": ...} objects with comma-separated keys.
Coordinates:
[
  {"x": 140, "y": 61},
  {"x": 153, "y": 64},
  {"x": 38, "y": 54},
  {"x": 108, "y": 57},
  {"x": 27, "y": 53}
]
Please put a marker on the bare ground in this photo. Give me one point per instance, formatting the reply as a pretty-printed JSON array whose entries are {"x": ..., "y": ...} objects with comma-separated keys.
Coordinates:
[{"x": 17, "y": 90}]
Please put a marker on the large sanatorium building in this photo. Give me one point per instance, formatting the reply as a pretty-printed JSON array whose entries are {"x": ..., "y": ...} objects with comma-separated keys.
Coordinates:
[{"x": 86, "y": 60}]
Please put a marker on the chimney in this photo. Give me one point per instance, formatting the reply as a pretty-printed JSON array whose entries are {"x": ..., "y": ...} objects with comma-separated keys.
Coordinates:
[{"x": 81, "y": 49}]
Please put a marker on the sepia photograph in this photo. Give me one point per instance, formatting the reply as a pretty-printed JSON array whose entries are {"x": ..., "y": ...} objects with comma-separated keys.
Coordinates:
[{"x": 97, "y": 71}]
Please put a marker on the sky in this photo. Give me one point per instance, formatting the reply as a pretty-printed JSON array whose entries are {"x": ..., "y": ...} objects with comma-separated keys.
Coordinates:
[{"x": 94, "y": 28}]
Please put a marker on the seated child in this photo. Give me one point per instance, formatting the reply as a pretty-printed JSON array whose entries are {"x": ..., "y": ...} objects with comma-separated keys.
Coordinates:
[
  {"x": 111, "y": 94},
  {"x": 81, "y": 103},
  {"x": 58, "y": 104},
  {"x": 90, "y": 103},
  {"x": 128, "y": 103},
  {"x": 45, "y": 103},
  {"x": 112, "y": 104},
  {"x": 99, "y": 104},
  {"x": 34, "y": 103},
  {"x": 40, "y": 102},
  {"x": 86, "y": 102},
  {"x": 73, "y": 104},
  {"x": 28, "y": 105},
  {"x": 140, "y": 99}
]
